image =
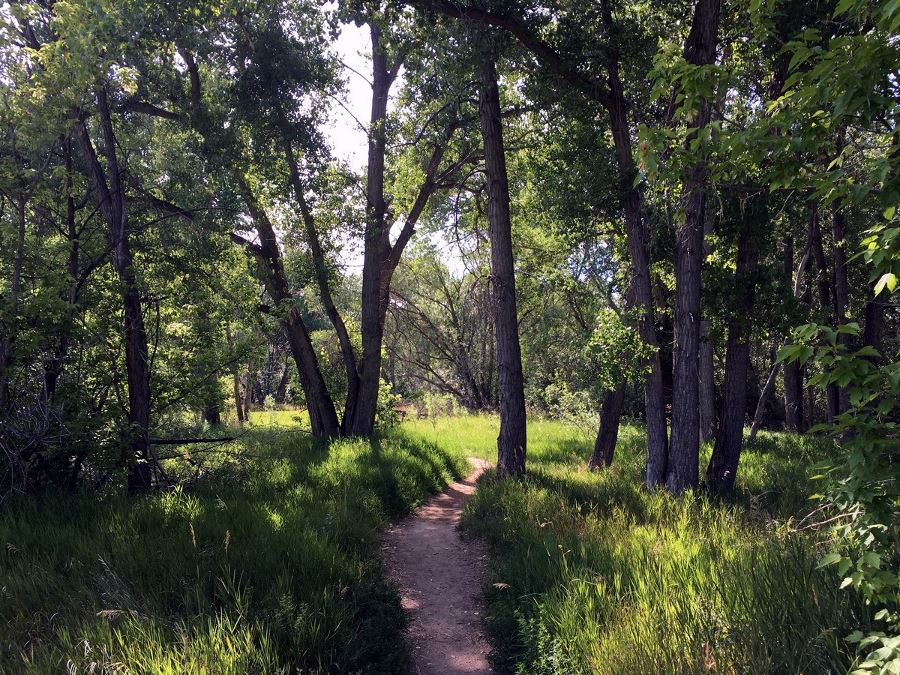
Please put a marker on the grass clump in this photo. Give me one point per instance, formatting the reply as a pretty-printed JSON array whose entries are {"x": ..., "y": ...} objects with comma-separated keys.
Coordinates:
[
  {"x": 267, "y": 564},
  {"x": 592, "y": 573}
]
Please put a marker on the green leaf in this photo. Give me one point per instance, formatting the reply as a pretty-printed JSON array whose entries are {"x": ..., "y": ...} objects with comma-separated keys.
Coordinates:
[{"x": 828, "y": 559}]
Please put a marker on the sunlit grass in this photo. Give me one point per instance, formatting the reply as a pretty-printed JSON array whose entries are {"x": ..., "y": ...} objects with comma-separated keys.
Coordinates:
[
  {"x": 593, "y": 573},
  {"x": 266, "y": 563}
]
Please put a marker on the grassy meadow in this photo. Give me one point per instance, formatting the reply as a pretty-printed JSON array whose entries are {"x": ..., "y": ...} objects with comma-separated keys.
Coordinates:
[
  {"x": 267, "y": 562},
  {"x": 592, "y": 573}
]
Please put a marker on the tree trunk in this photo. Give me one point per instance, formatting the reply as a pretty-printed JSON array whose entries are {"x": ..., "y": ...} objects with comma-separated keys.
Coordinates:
[
  {"x": 793, "y": 380},
  {"x": 54, "y": 368},
  {"x": 281, "y": 391},
  {"x": 841, "y": 288},
  {"x": 707, "y": 386},
  {"x": 723, "y": 465},
  {"x": 248, "y": 392},
  {"x": 10, "y": 329},
  {"x": 826, "y": 304},
  {"x": 511, "y": 444},
  {"x": 764, "y": 397},
  {"x": 348, "y": 355},
  {"x": 111, "y": 199},
  {"x": 684, "y": 448},
  {"x": 322, "y": 414},
  {"x": 874, "y": 320},
  {"x": 637, "y": 239},
  {"x": 608, "y": 433},
  {"x": 235, "y": 381}
]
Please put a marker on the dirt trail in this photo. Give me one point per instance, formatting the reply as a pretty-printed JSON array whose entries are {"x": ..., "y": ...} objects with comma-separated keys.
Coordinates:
[{"x": 440, "y": 577}]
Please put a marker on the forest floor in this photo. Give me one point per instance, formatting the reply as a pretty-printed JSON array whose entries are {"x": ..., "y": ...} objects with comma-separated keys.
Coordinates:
[
  {"x": 592, "y": 573},
  {"x": 272, "y": 560},
  {"x": 440, "y": 576}
]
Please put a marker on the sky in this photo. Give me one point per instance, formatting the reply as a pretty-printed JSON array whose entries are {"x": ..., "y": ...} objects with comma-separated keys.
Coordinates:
[
  {"x": 347, "y": 135},
  {"x": 347, "y": 139}
]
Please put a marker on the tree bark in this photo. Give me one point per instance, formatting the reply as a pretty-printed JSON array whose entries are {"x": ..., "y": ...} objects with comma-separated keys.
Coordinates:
[
  {"x": 684, "y": 448},
  {"x": 15, "y": 286},
  {"x": 826, "y": 304},
  {"x": 641, "y": 296},
  {"x": 380, "y": 258},
  {"x": 793, "y": 380},
  {"x": 610, "y": 95},
  {"x": 707, "y": 386},
  {"x": 841, "y": 288},
  {"x": 54, "y": 368},
  {"x": 608, "y": 433},
  {"x": 348, "y": 355},
  {"x": 281, "y": 391},
  {"x": 511, "y": 444},
  {"x": 376, "y": 247},
  {"x": 764, "y": 397},
  {"x": 111, "y": 199},
  {"x": 322, "y": 414},
  {"x": 723, "y": 465},
  {"x": 248, "y": 392}
]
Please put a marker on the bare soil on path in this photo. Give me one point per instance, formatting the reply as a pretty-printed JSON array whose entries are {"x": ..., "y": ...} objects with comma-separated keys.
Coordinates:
[{"x": 440, "y": 576}]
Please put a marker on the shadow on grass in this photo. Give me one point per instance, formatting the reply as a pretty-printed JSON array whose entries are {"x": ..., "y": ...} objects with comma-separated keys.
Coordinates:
[{"x": 268, "y": 563}]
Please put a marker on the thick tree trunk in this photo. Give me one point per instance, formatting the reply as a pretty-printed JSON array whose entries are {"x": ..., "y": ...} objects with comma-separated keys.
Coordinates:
[
  {"x": 376, "y": 249},
  {"x": 235, "y": 382},
  {"x": 511, "y": 444},
  {"x": 111, "y": 200},
  {"x": 874, "y": 321},
  {"x": 684, "y": 447},
  {"x": 707, "y": 386},
  {"x": 608, "y": 433},
  {"x": 723, "y": 465}
]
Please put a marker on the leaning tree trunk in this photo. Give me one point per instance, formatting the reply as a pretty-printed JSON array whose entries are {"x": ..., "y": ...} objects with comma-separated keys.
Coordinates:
[
  {"x": 723, "y": 465},
  {"x": 322, "y": 413},
  {"x": 608, "y": 433},
  {"x": 684, "y": 446},
  {"x": 111, "y": 200},
  {"x": 511, "y": 444}
]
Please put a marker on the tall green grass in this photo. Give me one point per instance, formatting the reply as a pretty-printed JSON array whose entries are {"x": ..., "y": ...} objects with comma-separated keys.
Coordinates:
[
  {"x": 266, "y": 564},
  {"x": 591, "y": 573}
]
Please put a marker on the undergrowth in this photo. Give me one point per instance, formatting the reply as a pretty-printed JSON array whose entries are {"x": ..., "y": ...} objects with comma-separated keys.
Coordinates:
[
  {"x": 592, "y": 573},
  {"x": 267, "y": 564}
]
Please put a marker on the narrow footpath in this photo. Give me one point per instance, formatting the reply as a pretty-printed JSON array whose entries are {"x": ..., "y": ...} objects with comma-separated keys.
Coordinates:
[{"x": 440, "y": 577}]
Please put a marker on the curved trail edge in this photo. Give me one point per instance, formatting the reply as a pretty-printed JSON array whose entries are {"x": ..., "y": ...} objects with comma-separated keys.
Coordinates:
[{"x": 440, "y": 576}]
